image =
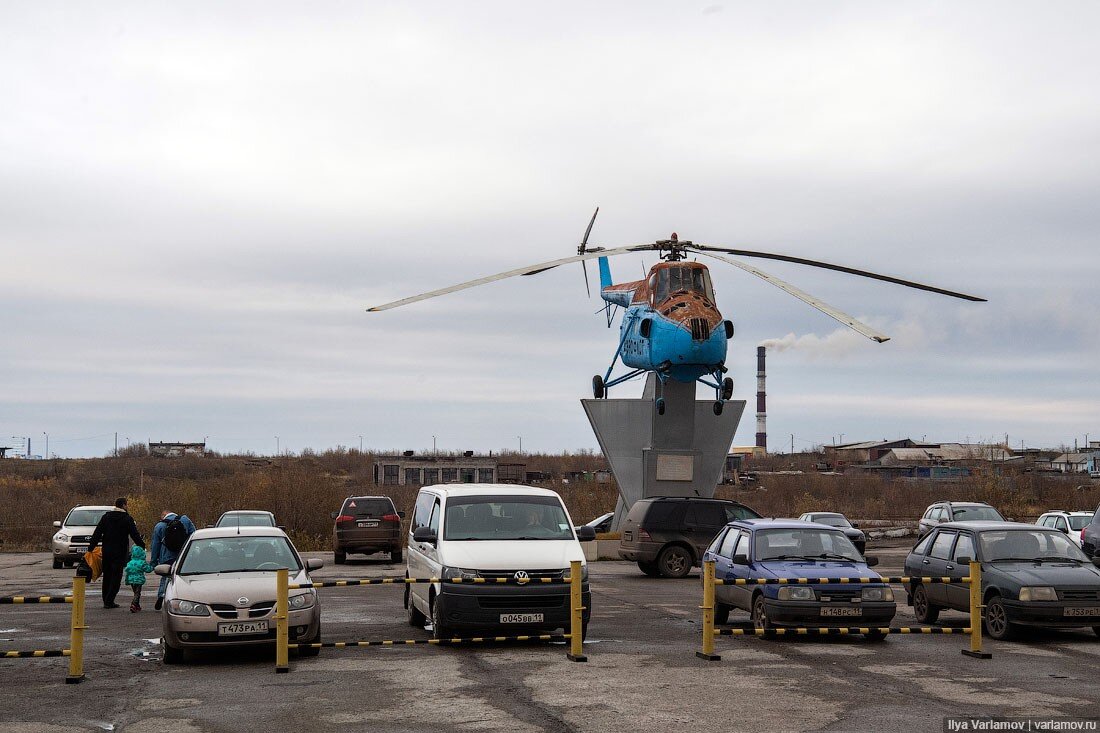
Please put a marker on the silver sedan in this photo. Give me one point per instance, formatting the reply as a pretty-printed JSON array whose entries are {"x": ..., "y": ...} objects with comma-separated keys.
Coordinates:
[{"x": 221, "y": 591}]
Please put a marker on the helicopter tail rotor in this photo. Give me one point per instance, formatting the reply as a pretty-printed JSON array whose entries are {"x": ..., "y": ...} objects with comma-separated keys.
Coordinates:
[{"x": 583, "y": 249}]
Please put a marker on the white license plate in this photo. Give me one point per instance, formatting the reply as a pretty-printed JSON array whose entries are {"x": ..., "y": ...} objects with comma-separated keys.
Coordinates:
[
  {"x": 827, "y": 611},
  {"x": 367, "y": 524},
  {"x": 1081, "y": 612},
  {"x": 522, "y": 618},
  {"x": 238, "y": 628}
]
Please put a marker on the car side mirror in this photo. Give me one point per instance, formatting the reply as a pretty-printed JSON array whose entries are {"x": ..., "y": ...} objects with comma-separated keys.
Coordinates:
[
  {"x": 163, "y": 570},
  {"x": 964, "y": 560},
  {"x": 334, "y": 515},
  {"x": 314, "y": 563},
  {"x": 586, "y": 534},
  {"x": 426, "y": 535},
  {"x": 855, "y": 525},
  {"x": 1063, "y": 530},
  {"x": 740, "y": 559},
  {"x": 57, "y": 524},
  {"x": 400, "y": 514},
  {"x": 871, "y": 561}
]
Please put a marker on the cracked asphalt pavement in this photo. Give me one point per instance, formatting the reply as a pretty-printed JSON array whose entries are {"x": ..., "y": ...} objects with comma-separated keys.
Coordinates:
[{"x": 642, "y": 671}]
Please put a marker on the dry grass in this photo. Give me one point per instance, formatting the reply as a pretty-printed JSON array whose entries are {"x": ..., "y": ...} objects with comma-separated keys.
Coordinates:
[{"x": 302, "y": 491}]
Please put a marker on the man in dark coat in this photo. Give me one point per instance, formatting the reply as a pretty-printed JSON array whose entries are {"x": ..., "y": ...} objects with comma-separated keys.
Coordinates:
[{"x": 115, "y": 530}]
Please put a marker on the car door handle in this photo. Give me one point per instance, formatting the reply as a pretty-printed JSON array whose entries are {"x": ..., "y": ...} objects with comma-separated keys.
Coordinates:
[
  {"x": 926, "y": 562},
  {"x": 950, "y": 567}
]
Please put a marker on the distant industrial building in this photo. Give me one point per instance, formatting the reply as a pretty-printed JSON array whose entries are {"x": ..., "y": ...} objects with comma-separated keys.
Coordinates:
[
  {"x": 177, "y": 450},
  {"x": 410, "y": 469}
]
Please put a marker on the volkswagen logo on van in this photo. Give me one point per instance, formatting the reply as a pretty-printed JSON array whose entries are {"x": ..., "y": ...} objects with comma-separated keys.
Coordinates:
[{"x": 522, "y": 577}]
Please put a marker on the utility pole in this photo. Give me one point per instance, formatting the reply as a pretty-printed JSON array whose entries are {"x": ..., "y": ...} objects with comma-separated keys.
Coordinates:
[
  {"x": 116, "y": 444},
  {"x": 360, "y": 444},
  {"x": 520, "y": 444},
  {"x": 792, "y": 444},
  {"x": 434, "y": 452},
  {"x": 276, "y": 445},
  {"x": 47, "y": 456}
]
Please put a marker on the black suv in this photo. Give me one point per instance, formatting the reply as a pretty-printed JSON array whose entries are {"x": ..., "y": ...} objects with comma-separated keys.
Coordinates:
[
  {"x": 1090, "y": 536},
  {"x": 668, "y": 535}
]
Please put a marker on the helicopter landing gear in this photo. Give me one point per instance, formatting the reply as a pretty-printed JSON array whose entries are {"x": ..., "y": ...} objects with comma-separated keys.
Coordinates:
[
  {"x": 598, "y": 390},
  {"x": 727, "y": 389},
  {"x": 660, "y": 403},
  {"x": 718, "y": 407}
]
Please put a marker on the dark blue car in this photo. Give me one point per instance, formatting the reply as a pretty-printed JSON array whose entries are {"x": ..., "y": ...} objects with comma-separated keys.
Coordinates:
[{"x": 786, "y": 548}]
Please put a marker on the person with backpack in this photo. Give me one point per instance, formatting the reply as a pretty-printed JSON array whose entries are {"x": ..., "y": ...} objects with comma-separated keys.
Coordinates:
[
  {"x": 169, "y": 537},
  {"x": 115, "y": 530}
]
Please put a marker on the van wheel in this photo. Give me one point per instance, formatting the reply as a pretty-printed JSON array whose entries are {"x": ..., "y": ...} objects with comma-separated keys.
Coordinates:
[
  {"x": 923, "y": 609},
  {"x": 57, "y": 565},
  {"x": 396, "y": 556},
  {"x": 339, "y": 557},
  {"x": 416, "y": 619},
  {"x": 650, "y": 569},
  {"x": 439, "y": 631},
  {"x": 674, "y": 561},
  {"x": 722, "y": 612}
]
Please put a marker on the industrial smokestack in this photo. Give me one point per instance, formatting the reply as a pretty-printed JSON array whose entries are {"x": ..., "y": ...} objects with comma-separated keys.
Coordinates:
[{"x": 761, "y": 401}]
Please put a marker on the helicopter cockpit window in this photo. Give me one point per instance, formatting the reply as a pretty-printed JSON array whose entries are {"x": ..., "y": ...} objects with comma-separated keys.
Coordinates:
[{"x": 673, "y": 280}]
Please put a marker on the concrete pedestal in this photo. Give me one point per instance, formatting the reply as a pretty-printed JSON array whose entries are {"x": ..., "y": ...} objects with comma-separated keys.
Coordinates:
[{"x": 679, "y": 453}]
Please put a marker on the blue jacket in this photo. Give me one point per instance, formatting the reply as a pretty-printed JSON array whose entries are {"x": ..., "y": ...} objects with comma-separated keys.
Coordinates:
[
  {"x": 161, "y": 554},
  {"x": 137, "y": 567}
]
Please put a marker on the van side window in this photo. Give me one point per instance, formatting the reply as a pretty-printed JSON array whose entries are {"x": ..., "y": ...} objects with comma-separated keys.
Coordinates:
[
  {"x": 423, "y": 510},
  {"x": 433, "y": 522}
]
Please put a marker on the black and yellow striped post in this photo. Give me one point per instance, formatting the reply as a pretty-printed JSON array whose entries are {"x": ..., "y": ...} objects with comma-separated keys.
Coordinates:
[
  {"x": 976, "y": 607},
  {"x": 576, "y": 614},
  {"x": 76, "y": 634},
  {"x": 708, "y": 614},
  {"x": 282, "y": 613}
]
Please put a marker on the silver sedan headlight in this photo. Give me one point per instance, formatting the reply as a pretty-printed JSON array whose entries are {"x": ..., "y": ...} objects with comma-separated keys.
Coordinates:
[
  {"x": 796, "y": 593},
  {"x": 188, "y": 608},
  {"x": 1038, "y": 593},
  {"x": 301, "y": 602},
  {"x": 877, "y": 594},
  {"x": 61, "y": 537}
]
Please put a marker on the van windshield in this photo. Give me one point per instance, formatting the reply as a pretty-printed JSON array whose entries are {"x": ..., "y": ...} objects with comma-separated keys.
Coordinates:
[{"x": 506, "y": 518}]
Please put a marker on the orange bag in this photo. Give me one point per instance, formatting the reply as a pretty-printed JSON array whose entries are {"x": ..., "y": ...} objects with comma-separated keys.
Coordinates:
[{"x": 94, "y": 559}]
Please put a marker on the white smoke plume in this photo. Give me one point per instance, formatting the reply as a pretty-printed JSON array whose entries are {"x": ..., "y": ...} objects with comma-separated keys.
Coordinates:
[{"x": 840, "y": 342}]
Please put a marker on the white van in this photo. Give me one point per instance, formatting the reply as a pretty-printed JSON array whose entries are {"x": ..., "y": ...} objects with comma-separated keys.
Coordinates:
[{"x": 492, "y": 531}]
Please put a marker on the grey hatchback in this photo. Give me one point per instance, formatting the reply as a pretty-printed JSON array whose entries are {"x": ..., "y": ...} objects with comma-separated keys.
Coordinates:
[
  {"x": 1031, "y": 576},
  {"x": 367, "y": 524}
]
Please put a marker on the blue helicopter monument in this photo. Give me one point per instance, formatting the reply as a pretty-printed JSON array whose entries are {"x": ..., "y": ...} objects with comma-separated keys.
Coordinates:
[{"x": 668, "y": 443}]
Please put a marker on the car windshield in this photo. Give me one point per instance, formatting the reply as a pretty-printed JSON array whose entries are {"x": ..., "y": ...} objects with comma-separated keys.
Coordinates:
[
  {"x": 1079, "y": 521},
  {"x": 976, "y": 514},
  {"x": 506, "y": 518},
  {"x": 833, "y": 520},
  {"x": 246, "y": 520},
  {"x": 238, "y": 554},
  {"x": 1028, "y": 544},
  {"x": 808, "y": 544},
  {"x": 84, "y": 517}
]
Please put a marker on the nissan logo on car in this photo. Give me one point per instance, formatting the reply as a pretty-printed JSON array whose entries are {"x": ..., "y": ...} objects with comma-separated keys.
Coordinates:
[{"x": 242, "y": 601}]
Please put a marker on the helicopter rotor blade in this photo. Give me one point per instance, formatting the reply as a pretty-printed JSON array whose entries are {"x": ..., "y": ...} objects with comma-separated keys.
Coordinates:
[
  {"x": 704, "y": 249},
  {"x": 584, "y": 248},
  {"x": 529, "y": 270},
  {"x": 805, "y": 297}
]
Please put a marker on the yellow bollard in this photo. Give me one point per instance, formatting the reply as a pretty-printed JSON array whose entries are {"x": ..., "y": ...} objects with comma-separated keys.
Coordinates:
[
  {"x": 708, "y": 614},
  {"x": 282, "y": 611},
  {"x": 976, "y": 607},
  {"x": 76, "y": 634},
  {"x": 576, "y": 614}
]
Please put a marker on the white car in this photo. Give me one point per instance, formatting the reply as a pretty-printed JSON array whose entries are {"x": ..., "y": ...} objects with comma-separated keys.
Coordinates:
[
  {"x": 70, "y": 542},
  {"x": 1071, "y": 523},
  {"x": 246, "y": 518},
  {"x": 492, "y": 531}
]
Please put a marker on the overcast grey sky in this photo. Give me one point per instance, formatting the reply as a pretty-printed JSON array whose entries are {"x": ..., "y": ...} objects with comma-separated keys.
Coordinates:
[{"x": 198, "y": 200}]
